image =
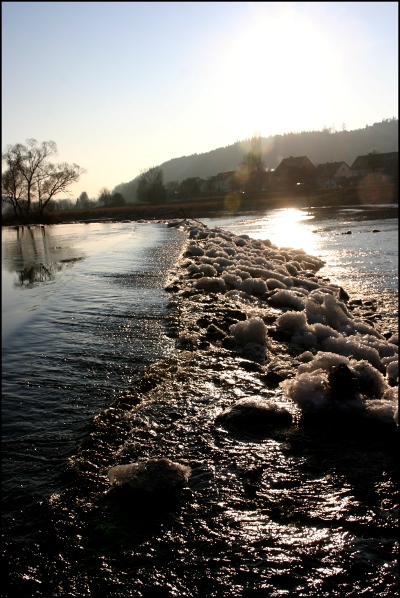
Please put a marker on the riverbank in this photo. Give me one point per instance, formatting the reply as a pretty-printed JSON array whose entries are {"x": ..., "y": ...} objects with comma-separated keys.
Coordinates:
[{"x": 214, "y": 206}]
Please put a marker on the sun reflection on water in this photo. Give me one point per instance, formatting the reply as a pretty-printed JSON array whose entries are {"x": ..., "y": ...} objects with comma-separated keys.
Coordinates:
[{"x": 288, "y": 227}]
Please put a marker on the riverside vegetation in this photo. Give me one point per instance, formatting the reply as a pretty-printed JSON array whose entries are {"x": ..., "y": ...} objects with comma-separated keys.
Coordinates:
[{"x": 216, "y": 205}]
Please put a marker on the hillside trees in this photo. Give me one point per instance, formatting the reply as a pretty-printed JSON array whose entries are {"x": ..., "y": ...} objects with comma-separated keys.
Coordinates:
[
  {"x": 109, "y": 199},
  {"x": 190, "y": 188},
  {"x": 117, "y": 200},
  {"x": 151, "y": 187},
  {"x": 83, "y": 201},
  {"x": 30, "y": 181},
  {"x": 253, "y": 159},
  {"x": 251, "y": 169},
  {"x": 104, "y": 198},
  {"x": 172, "y": 187},
  {"x": 127, "y": 190},
  {"x": 318, "y": 146}
]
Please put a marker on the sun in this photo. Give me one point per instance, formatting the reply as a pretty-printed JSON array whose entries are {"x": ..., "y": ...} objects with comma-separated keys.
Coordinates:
[{"x": 283, "y": 67}]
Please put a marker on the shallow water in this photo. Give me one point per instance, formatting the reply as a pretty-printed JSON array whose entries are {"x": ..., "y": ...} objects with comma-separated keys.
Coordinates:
[
  {"x": 71, "y": 341},
  {"x": 299, "y": 511}
]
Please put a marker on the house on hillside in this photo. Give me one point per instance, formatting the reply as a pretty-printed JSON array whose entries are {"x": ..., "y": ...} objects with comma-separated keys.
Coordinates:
[
  {"x": 332, "y": 175},
  {"x": 221, "y": 182},
  {"x": 294, "y": 171},
  {"x": 384, "y": 165},
  {"x": 256, "y": 181}
]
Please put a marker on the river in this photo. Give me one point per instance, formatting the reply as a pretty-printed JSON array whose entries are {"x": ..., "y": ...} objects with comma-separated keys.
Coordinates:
[{"x": 85, "y": 317}]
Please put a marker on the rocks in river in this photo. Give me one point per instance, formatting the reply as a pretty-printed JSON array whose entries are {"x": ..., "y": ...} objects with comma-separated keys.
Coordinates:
[
  {"x": 254, "y": 414},
  {"x": 249, "y": 331},
  {"x": 154, "y": 475},
  {"x": 239, "y": 284},
  {"x": 215, "y": 333},
  {"x": 333, "y": 384},
  {"x": 342, "y": 382}
]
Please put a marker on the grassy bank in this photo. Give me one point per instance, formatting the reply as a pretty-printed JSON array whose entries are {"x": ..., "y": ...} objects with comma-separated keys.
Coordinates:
[{"x": 214, "y": 206}]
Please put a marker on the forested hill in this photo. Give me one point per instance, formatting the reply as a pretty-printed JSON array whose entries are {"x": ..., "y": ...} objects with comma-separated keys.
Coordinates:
[{"x": 318, "y": 146}]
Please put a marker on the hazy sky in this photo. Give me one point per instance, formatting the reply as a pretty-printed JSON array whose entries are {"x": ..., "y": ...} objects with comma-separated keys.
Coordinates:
[{"x": 122, "y": 86}]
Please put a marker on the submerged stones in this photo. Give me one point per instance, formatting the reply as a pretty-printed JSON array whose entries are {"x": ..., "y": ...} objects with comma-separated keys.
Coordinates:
[
  {"x": 154, "y": 475},
  {"x": 255, "y": 415}
]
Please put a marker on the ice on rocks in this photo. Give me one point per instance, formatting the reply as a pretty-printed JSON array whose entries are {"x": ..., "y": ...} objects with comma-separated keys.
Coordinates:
[
  {"x": 249, "y": 331},
  {"x": 154, "y": 475},
  {"x": 211, "y": 285},
  {"x": 273, "y": 283},
  {"x": 338, "y": 348},
  {"x": 392, "y": 372},
  {"x": 287, "y": 298},
  {"x": 363, "y": 389}
]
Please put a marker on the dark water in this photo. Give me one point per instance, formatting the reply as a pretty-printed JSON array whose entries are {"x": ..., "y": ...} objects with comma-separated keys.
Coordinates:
[{"x": 298, "y": 512}]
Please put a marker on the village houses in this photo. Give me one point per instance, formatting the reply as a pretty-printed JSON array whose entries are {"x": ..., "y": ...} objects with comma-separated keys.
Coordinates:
[{"x": 297, "y": 171}]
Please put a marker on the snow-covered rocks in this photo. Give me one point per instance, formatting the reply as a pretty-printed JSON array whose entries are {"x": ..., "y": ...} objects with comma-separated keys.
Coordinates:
[
  {"x": 249, "y": 331},
  {"x": 333, "y": 383},
  {"x": 280, "y": 286},
  {"x": 153, "y": 475}
]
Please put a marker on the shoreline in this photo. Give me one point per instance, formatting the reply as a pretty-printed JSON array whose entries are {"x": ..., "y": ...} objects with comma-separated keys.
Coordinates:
[{"x": 219, "y": 206}]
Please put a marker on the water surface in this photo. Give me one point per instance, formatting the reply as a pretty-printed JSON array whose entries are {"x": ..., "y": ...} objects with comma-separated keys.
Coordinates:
[{"x": 301, "y": 512}]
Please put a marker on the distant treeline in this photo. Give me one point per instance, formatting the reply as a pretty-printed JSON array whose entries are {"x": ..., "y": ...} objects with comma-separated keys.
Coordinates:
[
  {"x": 320, "y": 147},
  {"x": 216, "y": 206}
]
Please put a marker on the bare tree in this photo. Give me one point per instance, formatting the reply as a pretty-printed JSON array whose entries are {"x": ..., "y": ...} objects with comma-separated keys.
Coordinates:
[
  {"x": 251, "y": 170},
  {"x": 12, "y": 180},
  {"x": 104, "y": 196},
  {"x": 83, "y": 201},
  {"x": 30, "y": 179},
  {"x": 253, "y": 159},
  {"x": 151, "y": 185}
]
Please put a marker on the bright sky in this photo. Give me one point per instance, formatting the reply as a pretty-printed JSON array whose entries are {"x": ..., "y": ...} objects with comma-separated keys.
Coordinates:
[{"x": 123, "y": 86}]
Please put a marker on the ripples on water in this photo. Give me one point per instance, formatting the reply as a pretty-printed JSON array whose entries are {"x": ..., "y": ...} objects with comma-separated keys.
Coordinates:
[{"x": 300, "y": 512}]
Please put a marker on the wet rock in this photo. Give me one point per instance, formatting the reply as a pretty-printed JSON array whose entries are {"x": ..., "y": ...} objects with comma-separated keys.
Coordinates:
[
  {"x": 370, "y": 305},
  {"x": 249, "y": 366},
  {"x": 154, "y": 475},
  {"x": 354, "y": 302},
  {"x": 256, "y": 415},
  {"x": 273, "y": 379},
  {"x": 172, "y": 288},
  {"x": 203, "y": 322},
  {"x": 343, "y": 383},
  {"x": 236, "y": 314},
  {"x": 186, "y": 342},
  {"x": 229, "y": 343},
  {"x": 215, "y": 333},
  {"x": 279, "y": 335},
  {"x": 254, "y": 352}
]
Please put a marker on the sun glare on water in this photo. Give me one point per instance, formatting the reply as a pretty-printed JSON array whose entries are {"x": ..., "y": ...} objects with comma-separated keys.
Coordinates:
[{"x": 288, "y": 227}]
